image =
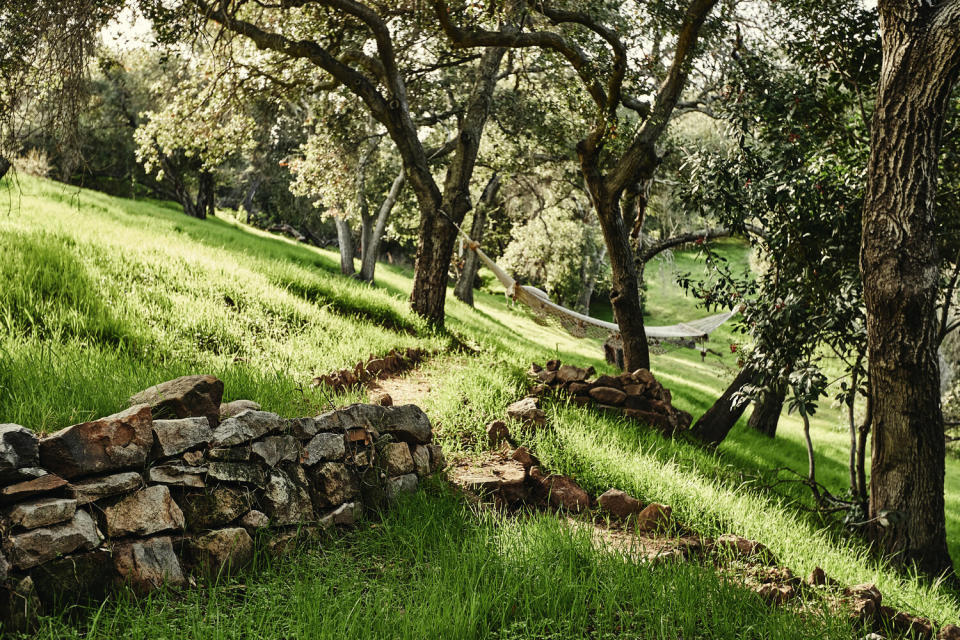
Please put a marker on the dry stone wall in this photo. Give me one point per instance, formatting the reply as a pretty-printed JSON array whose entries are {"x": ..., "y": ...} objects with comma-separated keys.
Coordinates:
[{"x": 177, "y": 486}]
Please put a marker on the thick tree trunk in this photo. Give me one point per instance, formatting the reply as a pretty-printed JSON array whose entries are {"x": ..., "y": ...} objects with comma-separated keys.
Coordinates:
[
  {"x": 205, "y": 195},
  {"x": 766, "y": 412},
  {"x": 714, "y": 425},
  {"x": 371, "y": 251},
  {"x": 345, "y": 242},
  {"x": 900, "y": 280},
  {"x": 471, "y": 263}
]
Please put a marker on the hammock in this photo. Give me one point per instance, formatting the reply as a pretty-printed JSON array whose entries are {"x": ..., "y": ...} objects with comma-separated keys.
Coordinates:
[{"x": 582, "y": 326}]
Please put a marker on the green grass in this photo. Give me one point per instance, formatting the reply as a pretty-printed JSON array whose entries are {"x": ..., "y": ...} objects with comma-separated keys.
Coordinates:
[{"x": 103, "y": 297}]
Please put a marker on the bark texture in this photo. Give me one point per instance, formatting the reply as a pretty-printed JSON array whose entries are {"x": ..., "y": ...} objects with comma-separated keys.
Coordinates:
[
  {"x": 471, "y": 263},
  {"x": 900, "y": 270},
  {"x": 345, "y": 242},
  {"x": 714, "y": 425},
  {"x": 766, "y": 412},
  {"x": 373, "y": 238}
]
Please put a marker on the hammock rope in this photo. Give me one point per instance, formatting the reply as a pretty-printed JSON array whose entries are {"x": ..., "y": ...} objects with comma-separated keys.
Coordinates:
[{"x": 580, "y": 325}]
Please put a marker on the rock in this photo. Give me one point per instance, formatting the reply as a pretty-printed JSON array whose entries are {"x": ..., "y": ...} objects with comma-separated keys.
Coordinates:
[
  {"x": 644, "y": 377},
  {"x": 75, "y": 579},
  {"x": 866, "y": 591},
  {"x": 20, "y": 607},
  {"x": 345, "y": 515},
  {"x": 276, "y": 449},
  {"x": 49, "y": 483},
  {"x": 219, "y": 552},
  {"x": 569, "y": 373},
  {"x": 559, "y": 491},
  {"x": 240, "y": 472},
  {"x": 619, "y": 503},
  {"x": 578, "y": 388},
  {"x": 186, "y": 397},
  {"x": 402, "y": 484},
  {"x": 437, "y": 460},
  {"x": 949, "y": 632},
  {"x": 19, "y": 448},
  {"x": 421, "y": 460},
  {"x": 338, "y": 420},
  {"x": 180, "y": 475},
  {"x": 244, "y": 427},
  {"x": 286, "y": 498},
  {"x": 148, "y": 564},
  {"x": 407, "y": 423},
  {"x": 332, "y": 484},
  {"x": 4, "y": 568},
  {"x": 654, "y": 517},
  {"x": 776, "y": 593},
  {"x": 143, "y": 513},
  {"x": 177, "y": 436},
  {"x": 240, "y": 453},
  {"x": 655, "y": 420},
  {"x": 324, "y": 446},
  {"x": 92, "y": 489},
  {"x": 214, "y": 508},
  {"x": 910, "y": 626},
  {"x": 41, "y": 513},
  {"x": 381, "y": 398},
  {"x": 547, "y": 377},
  {"x": 302, "y": 428},
  {"x": 535, "y": 368},
  {"x": 524, "y": 457},
  {"x": 376, "y": 366},
  {"x": 497, "y": 432},
  {"x": 817, "y": 577},
  {"x": 742, "y": 547},
  {"x": 230, "y": 409},
  {"x": 36, "y": 546},
  {"x": 503, "y": 480},
  {"x": 527, "y": 411},
  {"x": 608, "y": 395},
  {"x": 608, "y": 381},
  {"x": 194, "y": 458},
  {"x": 255, "y": 520},
  {"x": 395, "y": 459},
  {"x": 552, "y": 365},
  {"x": 116, "y": 442}
]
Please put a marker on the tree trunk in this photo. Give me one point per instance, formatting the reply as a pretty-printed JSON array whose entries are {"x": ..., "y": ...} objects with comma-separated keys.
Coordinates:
[
  {"x": 766, "y": 412},
  {"x": 247, "y": 203},
  {"x": 345, "y": 242},
  {"x": 4, "y": 166},
  {"x": 714, "y": 425},
  {"x": 900, "y": 270},
  {"x": 624, "y": 285},
  {"x": 205, "y": 195},
  {"x": 368, "y": 258},
  {"x": 471, "y": 262}
]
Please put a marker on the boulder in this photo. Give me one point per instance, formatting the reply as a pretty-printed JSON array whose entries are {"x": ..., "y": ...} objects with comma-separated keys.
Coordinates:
[
  {"x": 143, "y": 513},
  {"x": 497, "y": 432},
  {"x": 608, "y": 395},
  {"x": 239, "y": 472},
  {"x": 186, "y": 397},
  {"x": 219, "y": 552},
  {"x": 421, "y": 460},
  {"x": 75, "y": 579},
  {"x": 332, "y": 484},
  {"x": 239, "y": 453},
  {"x": 569, "y": 373},
  {"x": 619, "y": 503},
  {"x": 324, "y": 446},
  {"x": 214, "y": 508},
  {"x": 395, "y": 459},
  {"x": 180, "y": 475},
  {"x": 302, "y": 428},
  {"x": 112, "y": 443},
  {"x": 286, "y": 498},
  {"x": 36, "y": 546},
  {"x": 19, "y": 448},
  {"x": 42, "y": 512},
  {"x": 528, "y": 412},
  {"x": 230, "y": 409},
  {"x": 524, "y": 457},
  {"x": 402, "y": 484},
  {"x": 254, "y": 519},
  {"x": 345, "y": 515},
  {"x": 561, "y": 492},
  {"x": 244, "y": 427},
  {"x": 407, "y": 423},
  {"x": 47, "y": 484},
  {"x": 177, "y": 436},
  {"x": 654, "y": 517},
  {"x": 92, "y": 489},
  {"x": 275, "y": 449},
  {"x": 148, "y": 564},
  {"x": 437, "y": 460}
]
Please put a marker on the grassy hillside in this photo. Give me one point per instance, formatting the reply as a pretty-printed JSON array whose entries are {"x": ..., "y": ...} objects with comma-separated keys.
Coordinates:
[{"x": 103, "y": 297}]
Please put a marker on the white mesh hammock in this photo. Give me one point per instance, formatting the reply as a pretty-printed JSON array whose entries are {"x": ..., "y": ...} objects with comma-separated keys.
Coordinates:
[{"x": 580, "y": 325}]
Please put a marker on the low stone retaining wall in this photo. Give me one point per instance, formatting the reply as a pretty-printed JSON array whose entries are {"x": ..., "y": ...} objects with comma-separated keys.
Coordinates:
[{"x": 175, "y": 486}]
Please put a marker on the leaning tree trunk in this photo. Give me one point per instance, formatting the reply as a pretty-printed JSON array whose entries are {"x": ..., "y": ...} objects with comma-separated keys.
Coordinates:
[
  {"x": 371, "y": 250},
  {"x": 345, "y": 242},
  {"x": 900, "y": 270},
  {"x": 714, "y": 425},
  {"x": 471, "y": 263},
  {"x": 766, "y": 412}
]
